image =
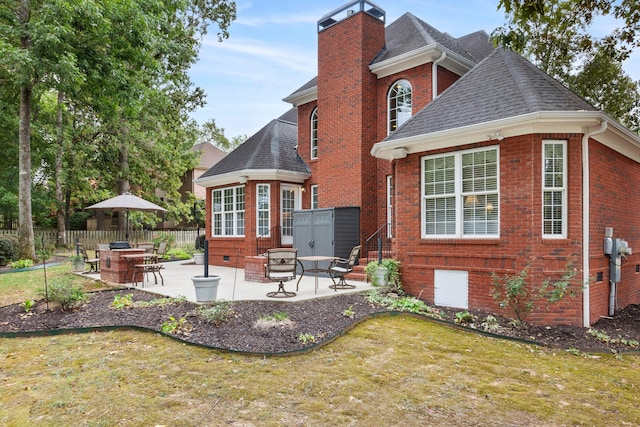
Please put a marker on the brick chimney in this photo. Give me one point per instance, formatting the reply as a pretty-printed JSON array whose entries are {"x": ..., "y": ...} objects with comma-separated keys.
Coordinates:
[{"x": 349, "y": 38}]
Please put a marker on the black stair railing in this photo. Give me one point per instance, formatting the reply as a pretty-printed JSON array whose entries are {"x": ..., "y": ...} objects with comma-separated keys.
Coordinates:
[
  {"x": 378, "y": 243},
  {"x": 269, "y": 240}
]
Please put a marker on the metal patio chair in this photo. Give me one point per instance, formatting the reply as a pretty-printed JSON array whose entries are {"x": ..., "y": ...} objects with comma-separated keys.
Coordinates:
[
  {"x": 340, "y": 267},
  {"x": 281, "y": 267},
  {"x": 94, "y": 263}
]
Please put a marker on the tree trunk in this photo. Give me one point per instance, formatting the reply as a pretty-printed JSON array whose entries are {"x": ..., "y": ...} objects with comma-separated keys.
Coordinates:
[
  {"x": 25, "y": 224},
  {"x": 26, "y": 241},
  {"x": 60, "y": 203}
]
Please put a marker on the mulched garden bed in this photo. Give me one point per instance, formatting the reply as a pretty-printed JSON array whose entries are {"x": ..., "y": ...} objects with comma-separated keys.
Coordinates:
[{"x": 311, "y": 322}]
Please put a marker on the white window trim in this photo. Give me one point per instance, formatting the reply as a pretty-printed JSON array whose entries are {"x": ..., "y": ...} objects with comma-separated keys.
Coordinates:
[
  {"x": 389, "y": 206},
  {"x": 563, "y": 189},
  {"x": 268, "y": 210},
  {"x": 314, "y": 195},
  {"x": 458, "y": 195},
  {"x": 314, "y": 135},
  {"x": 389, "y": 130},
  {"x": 223, "y": 212}
]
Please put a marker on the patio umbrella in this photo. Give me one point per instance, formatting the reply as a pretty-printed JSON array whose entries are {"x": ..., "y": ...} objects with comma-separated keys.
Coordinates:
[{"x": 126, "y": 202}]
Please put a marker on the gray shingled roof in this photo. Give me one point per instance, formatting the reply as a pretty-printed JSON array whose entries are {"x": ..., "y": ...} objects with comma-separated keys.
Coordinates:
[
  {"x": 272, "y": 148},
  {"x": 503, "y": 85},
  {"x": 409, "y": 33},
  {"x": 477, "y": 45}
]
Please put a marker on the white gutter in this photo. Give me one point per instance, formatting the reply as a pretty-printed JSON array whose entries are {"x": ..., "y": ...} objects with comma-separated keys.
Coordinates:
[
  {"x": 434, "y": 75},
  {"x": 586, "y": 300}
]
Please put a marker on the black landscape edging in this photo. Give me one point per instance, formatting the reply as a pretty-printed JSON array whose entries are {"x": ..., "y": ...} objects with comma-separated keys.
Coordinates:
[{"x": 304, "y": 350}]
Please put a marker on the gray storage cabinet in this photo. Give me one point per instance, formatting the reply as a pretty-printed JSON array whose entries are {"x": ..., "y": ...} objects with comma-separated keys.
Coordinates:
[{"x": 330, "y": 231}]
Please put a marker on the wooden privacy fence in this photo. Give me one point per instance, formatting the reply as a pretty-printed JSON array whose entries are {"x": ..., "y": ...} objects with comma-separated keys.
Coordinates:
[{"x": 91, "y": 238}]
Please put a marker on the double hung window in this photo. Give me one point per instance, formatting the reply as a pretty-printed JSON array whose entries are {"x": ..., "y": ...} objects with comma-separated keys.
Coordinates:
[
  {"x": 263, "y": 209},
  {"x": 554, "y": 189},
  {"x": 314, "y": 197},
  {"x": 460, "y": 194},
  {"x": 227, "y": 216}
]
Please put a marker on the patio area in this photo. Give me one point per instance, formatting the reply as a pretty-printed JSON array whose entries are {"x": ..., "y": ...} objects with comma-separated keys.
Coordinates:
[{"x": 177, "y": 282}]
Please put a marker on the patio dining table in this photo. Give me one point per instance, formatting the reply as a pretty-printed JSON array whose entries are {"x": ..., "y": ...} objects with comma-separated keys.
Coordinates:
[
  {"x": 133, "y": 259},
  {"x": 315, "y": 269}
]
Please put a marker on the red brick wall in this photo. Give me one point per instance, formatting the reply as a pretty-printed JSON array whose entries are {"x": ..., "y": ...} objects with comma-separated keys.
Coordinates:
[
  {"x": 615, "y": 202},
  {"x": 304, "y": 149},
  {"x": 347, "y": 125},
  {"x": 231, "y": 251},
  {"x": 520, "y": 241},
  {"x": 421, "y": 85}
]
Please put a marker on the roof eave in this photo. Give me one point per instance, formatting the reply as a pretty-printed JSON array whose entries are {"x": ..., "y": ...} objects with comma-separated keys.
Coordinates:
[
  {"x": 302, "y": 97},
  {"x": 424, "y": 55},
  {"x": 532, "y": 123},
  {"x": 242, "y": 176}
]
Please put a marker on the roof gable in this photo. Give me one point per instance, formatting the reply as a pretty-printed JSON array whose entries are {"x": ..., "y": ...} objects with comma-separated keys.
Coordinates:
[
  {"x": 503, "y": 85},
  {"x": 409, "y": 41},
  {"x": 409, "y": 33},
  {"x": 272, "y": 148}
]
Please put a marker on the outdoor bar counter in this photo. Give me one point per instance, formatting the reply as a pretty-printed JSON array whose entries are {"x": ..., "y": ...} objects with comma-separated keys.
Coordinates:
[{"x": 113, "y": 268}]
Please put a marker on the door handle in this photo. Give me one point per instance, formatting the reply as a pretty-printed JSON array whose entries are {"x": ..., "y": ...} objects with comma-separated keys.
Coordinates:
[{"x": 312, "y": 243}]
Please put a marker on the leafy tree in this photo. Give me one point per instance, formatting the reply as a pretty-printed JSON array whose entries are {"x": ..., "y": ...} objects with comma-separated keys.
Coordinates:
[
  {"x": 556, "y": 36},
  {"x": 119, "y": 74},
  {"x": 620, "y": 41},
  {"x": 210, "y": 132}
]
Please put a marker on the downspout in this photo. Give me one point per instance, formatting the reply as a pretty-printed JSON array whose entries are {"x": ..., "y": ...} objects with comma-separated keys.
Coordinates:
[
  {"x": 434, "y": 75},
  {"x": 586, "y": 302}
]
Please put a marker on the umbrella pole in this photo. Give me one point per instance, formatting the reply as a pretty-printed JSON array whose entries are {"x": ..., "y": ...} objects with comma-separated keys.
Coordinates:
[{"x": 126, "y": 232}]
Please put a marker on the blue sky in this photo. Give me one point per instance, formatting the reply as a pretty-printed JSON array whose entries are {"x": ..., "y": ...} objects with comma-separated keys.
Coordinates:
[{"x": 272, "y": 46}]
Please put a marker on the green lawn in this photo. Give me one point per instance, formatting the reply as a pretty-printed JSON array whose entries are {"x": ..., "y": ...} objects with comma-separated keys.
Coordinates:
[{"x": 387, "y": 371}]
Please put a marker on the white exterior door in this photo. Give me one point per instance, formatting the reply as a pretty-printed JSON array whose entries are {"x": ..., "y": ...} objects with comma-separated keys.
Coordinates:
[{"x": 289, "y": 201}]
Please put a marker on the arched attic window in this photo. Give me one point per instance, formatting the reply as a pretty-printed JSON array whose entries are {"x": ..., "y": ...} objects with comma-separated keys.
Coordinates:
[
  {"x": 314, "y": 134},
  {"x": 399, "y": 103}
]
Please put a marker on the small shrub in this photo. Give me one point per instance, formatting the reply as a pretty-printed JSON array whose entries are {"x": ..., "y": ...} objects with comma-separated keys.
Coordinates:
[
  {"x": 160, "y": 302},
  {"x": 409, "y": 304},
  {"x": 179, "y": 253},
  {"x": 490, "y": 324},
  {"x": 464, "y": 318},
  {"x": 8, "y": 248},
  {"x": 217, "y": 313},
  {"x": 67, "y": 295},
  {"x": 278, "y": 316},
  {"x": 306, "y": 338},
  {"x": 605, "y": 338},
  {"x": 27, "y": 305},
  {"x": 278, "y": 319},
  {"x": 349, "y": 312},
  {"x": 122, "y": 301},
  {"x": 22, "y": 263},
  {"x": 167, "y": 238},
  {"x": 177, "y": 326},
  {"x": 200, "y": 242},
  {"x": 393, "y": 274},
  {"x": 512, "y": 291}
]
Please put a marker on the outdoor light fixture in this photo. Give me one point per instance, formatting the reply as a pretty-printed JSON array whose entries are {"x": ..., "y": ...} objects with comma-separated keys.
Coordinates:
[{"x": 496, "y": 135}]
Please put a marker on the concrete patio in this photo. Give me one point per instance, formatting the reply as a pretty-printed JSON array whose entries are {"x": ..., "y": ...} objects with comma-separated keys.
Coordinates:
[{"x": 177, "y": 282}]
